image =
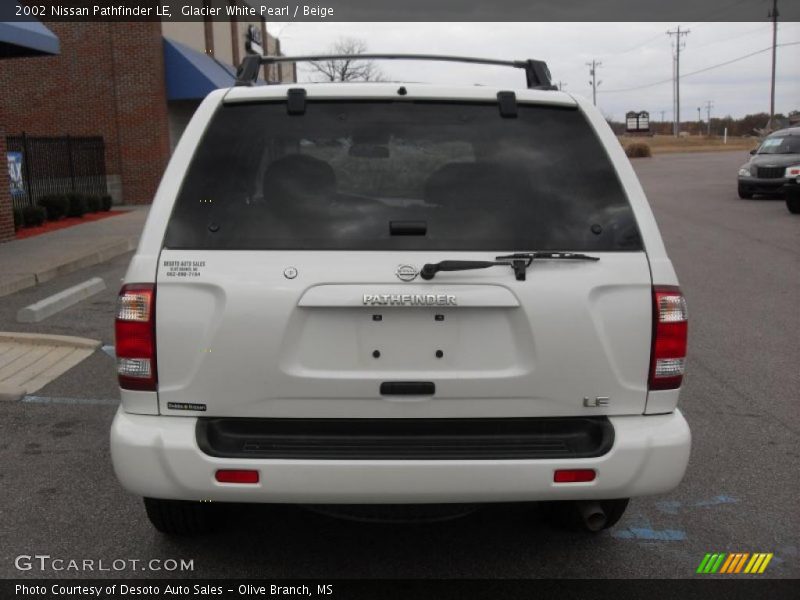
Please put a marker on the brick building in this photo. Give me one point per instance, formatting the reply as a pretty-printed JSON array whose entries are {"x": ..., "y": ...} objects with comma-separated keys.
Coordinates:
[
  {"x": 18, "y": 40},
  {"x": 134, "y": 84}
]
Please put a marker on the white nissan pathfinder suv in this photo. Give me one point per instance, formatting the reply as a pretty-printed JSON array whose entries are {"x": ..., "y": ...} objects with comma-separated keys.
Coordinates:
[{"x": 386, "y": 293}]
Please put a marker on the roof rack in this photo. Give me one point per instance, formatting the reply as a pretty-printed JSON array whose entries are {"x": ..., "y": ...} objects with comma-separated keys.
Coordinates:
[{"x": 537, "y": 75}]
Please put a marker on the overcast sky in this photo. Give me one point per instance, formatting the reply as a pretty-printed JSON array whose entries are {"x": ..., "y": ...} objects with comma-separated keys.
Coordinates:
[{"x": 633, "y": 54}]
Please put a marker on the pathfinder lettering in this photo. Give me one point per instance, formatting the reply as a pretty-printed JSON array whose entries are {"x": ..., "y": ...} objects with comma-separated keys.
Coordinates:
[{"x": 409, "y": 300}]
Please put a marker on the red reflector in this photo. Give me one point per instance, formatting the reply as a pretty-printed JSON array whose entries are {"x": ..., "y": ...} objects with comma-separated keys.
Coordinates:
[
  {"x": 574, "y": 475},
  {"x": 236, "y": 476}
]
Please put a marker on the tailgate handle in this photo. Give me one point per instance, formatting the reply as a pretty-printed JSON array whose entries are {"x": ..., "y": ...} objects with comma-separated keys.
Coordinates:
[{"x": 408, "y": 388}]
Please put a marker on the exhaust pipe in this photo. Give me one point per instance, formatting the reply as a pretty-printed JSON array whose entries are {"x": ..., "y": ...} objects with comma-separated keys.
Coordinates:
[{"x": 592, "y": 515}]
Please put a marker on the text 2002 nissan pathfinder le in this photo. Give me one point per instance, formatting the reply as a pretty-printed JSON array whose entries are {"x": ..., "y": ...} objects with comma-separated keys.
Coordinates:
[{"x": 386, "y": 293}]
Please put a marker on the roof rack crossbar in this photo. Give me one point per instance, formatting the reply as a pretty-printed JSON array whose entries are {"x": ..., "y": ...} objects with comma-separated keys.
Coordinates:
[{"x": 537, "y": 75}]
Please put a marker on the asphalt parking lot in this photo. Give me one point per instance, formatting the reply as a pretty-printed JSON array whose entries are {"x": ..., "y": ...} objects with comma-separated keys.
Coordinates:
[{"x": 739, "y": 266}]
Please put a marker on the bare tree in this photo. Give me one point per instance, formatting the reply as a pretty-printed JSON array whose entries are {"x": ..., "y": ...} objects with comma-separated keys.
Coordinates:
[{"x": 347, "y": 69}]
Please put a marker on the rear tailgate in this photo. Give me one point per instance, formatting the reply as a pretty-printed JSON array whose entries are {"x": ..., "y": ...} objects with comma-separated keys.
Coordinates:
[{"x": 237, "y": 336}]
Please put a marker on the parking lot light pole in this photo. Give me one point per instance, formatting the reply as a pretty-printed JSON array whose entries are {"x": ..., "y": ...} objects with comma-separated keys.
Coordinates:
[{"x": 774, "y": 14}]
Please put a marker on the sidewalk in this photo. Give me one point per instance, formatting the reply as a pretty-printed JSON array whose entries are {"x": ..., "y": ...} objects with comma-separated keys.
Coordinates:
[{"x": 28, "y": 262}]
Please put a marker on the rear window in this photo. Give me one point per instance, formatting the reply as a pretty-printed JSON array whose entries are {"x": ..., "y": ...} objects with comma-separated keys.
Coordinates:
[{"x": 401, "y": 176}]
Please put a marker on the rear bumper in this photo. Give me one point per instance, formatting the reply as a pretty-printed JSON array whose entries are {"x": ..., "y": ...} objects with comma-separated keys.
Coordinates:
[{"x": 158, "y": 456}]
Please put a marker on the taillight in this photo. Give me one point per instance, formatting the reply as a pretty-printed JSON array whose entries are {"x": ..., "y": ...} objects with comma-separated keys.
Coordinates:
[
  {"x": 670, "y": 328},
  {"x": 135, "y": 329}
]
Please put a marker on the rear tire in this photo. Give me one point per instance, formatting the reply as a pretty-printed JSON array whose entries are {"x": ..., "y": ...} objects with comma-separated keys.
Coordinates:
[
  {"x": 793, "y": 204},
  {"x": 744, "y": 193},
  {"x": 180, "y": 517},
  {"x": 614, "y": 510},
  {"x": 567, "y": 516}
]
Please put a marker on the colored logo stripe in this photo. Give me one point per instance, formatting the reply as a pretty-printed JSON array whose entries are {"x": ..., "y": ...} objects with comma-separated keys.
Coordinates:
[
  {"x": 721, "y": 562},
  {"x": 703, "y": 564},
  {"x": 735, "y": 562},
  {"x": 711, "y": 562},
  {"x": 732, "y": 559},
  {"x": 758, "y": 563}
]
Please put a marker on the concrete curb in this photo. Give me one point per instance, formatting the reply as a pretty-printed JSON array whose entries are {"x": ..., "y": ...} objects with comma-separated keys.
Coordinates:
[
  {"x": 48, "y": 340},
  {"x": 11, "y": 393},
  {"x": 15, "y": 282},
  {"x": 68, "y": 264},
  {"x": 82, "y": 261},
  {"x": 38, "y": 311}
]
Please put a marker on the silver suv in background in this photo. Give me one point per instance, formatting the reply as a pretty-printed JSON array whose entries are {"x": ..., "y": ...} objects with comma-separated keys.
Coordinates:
[{"x": 773, "y": 165}]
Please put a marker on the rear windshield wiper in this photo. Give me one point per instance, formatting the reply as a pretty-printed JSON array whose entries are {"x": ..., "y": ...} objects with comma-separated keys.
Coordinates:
[{"x": 519, "y": 262}]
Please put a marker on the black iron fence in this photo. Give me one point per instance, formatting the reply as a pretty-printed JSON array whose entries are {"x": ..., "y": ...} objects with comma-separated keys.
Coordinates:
[{"x": 40, "y": 166}]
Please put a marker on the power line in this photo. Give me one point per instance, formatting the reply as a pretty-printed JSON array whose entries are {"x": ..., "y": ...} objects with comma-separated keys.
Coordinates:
[
  {"x": 703, "y": 70},
  {"x": 699, "y": 23},
  {"x": 636, "y": 47},
  {"x": 748, "y": 33},
  {"x": 648, "y": 85},
  {"x": 740, "y": 58}
]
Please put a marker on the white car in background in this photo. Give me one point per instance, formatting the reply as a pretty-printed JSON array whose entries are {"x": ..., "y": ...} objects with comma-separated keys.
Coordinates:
[{"x": 383, "y": 293}]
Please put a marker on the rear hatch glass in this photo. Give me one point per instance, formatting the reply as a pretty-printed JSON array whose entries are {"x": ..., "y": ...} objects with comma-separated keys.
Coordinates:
[{"x": 401, "y": 175}]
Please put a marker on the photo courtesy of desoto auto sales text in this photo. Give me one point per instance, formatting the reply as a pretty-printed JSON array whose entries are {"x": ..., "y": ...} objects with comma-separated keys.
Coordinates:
[{"x": 370, "y": 299}]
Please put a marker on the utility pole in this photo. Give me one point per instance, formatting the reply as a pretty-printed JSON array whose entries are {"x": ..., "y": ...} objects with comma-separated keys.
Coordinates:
[
  {"x": 709, "y": 106},
  {"x": 774, "y": 14},
  {"x": 561, "y": 85},
  {"x": 699, "y": 122},
  {"x": 594, "y": 83},
  {"x": 678, "y": 44}
]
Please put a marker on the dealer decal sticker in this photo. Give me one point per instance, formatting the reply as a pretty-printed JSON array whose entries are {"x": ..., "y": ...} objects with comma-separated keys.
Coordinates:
[{"x": 183, "y": 268}]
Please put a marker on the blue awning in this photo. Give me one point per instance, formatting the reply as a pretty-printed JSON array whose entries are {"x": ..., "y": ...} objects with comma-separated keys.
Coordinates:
[
  {"x": 191, "y": 75},
  {"x": 25, "y": 38}
]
